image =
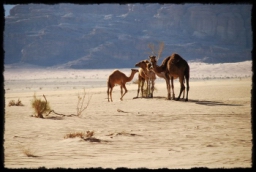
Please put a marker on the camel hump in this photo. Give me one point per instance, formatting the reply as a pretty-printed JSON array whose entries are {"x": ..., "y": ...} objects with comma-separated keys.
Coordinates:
[
  {"x": 164, "y": 63},
  {"x": 176, "y": 58}
]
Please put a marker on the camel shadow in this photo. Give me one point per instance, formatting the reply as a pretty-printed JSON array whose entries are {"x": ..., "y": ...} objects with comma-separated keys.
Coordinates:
[
  {"x": 200, "y": 102},
  {"x": 211, "y": 103},
  {"x": 155, "y": 97}
]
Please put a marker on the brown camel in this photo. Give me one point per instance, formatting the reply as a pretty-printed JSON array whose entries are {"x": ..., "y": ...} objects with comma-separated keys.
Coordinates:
[
  {"x": 119, "y": 78},
  {"x": 145, "y": 74},
  {"x": 173, "y": 67},
  {"x": 157, "y": 70}
]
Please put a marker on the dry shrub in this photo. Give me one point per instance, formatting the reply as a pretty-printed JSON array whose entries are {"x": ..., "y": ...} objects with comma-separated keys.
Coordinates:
[
  {"x": 18, "y": 103},
  {"x": 40, "y": 106},
  {"x": 12, "y": 103},
  {"x": 146, "y": 91},
  {"x": 83, "y": 135},
  {"x": 80, "y": 103},
  {"x": 145, "y": 88}
]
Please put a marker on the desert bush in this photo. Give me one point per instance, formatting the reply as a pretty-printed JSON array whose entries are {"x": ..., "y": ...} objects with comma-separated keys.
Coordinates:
[
  {"x": 40, "y": 106},
  {"x": 145, "y": 89},
  {"x": 79, "y": 108},
  {"x": 83, "y": 135},
  {"x": 18, "y": 103},
  {"x": 80, "y": 103}
]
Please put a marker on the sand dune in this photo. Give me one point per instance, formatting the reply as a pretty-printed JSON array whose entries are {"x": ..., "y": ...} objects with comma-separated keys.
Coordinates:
[{"x": 212, "y": 129}]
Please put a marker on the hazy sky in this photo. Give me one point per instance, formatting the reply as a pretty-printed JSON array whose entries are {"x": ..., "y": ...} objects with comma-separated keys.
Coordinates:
[{"x": 7, "y": 9}]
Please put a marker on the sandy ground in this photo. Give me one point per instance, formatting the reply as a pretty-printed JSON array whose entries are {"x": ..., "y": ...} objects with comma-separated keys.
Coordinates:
[{"x": 212, "y": 129}]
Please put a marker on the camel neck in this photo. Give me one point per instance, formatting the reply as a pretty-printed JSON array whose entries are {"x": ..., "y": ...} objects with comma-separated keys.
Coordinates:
[
  {"x": 131, "y": 76},
  {"x": 158, "y": 69}
]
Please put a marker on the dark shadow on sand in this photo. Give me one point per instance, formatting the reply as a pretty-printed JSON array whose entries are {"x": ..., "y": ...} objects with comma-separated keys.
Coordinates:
[
  {"x": 212, "y": 103},
  {"x": 200, "y": 102},
  {"x": 156, "y": 97}
]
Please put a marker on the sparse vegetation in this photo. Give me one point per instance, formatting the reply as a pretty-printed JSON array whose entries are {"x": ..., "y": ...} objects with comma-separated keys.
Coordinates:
[
  {"x": 79, "y": 108},
  {"x": 145, "y": 88},
  {"x": 80, "y": 103},
  {"x": 146, "y": 91},
  {"x": 13, "y": 103},
  {"x": 83, "y": 135},
  {"x": 86, "y": 136},
  {"x": 40, "y": 107}
]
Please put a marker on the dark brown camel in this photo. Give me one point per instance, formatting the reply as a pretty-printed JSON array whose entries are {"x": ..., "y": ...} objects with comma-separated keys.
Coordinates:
[{"x": 173, "y": 67}]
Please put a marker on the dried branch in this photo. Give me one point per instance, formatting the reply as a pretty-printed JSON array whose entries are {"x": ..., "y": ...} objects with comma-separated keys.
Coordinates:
[
  {"x": 44, "y": 105},
  {"x": 60, "y": 114},
  {"x": 161, "y": 48},
  {"x": 152, "y": 48},
  {"x": 80, "y": 106}
]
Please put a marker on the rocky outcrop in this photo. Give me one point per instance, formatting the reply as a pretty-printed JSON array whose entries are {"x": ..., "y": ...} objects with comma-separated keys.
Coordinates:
[{"x": 113, "y": 35}]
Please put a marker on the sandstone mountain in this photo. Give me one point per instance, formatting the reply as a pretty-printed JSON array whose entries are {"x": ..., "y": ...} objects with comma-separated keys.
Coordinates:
[{"x": 117, "y": 36}]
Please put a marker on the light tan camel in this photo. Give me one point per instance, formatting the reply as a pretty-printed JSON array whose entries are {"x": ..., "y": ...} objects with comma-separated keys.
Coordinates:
[
  {"x": 118, "y": 77},
  {"x": 173, "y": 67},
  {"x": 145, "y": 74}
]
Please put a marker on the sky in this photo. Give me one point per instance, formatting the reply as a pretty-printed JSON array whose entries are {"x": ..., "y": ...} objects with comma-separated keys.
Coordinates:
[{"x": 7, "y": 9}]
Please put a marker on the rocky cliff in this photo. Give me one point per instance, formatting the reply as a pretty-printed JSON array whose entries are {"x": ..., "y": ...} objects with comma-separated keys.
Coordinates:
[{"x": 113, "y": 35}]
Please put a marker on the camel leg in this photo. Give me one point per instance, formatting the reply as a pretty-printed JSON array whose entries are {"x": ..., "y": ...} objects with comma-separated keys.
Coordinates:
[
  {"x": 148, "y": 89},
  {"x": 125, "y": 91},
  {"x": 182, "y": 87},
  {"x": 138, "y": 91},
  {"x": 108, "y": 93},
  {"x": 187, "y": 80},
  {"x": 111, "y": 89},
  {"x": 152, "y": 88},
  {"x": 167, "y": 80},
  {"x": 173, "y": 95},
  {"x": 168, "y": 88},
  {"x": 121, "y": 88},
  {"x": 142, "y": 86}
]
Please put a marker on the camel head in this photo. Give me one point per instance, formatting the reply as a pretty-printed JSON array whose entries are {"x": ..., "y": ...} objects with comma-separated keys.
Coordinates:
[
  {"x": 134, "y": 70},
  {"x": 153, "y": 59},
  {"x": 143, "y": 64}
]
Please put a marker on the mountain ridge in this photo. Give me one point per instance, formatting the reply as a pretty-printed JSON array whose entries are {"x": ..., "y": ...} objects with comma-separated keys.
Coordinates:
[{"x": 111, "y": 35}]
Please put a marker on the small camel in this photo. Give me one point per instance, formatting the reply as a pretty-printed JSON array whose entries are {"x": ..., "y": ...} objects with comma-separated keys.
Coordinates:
[
  {"x": 145, "y": 74},
  {"x": 173, "y": 67},
  {"x": 118, "y": 77}
]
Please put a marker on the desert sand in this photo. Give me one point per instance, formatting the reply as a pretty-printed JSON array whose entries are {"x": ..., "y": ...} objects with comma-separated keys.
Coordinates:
[{"x": 212, "y": 129}]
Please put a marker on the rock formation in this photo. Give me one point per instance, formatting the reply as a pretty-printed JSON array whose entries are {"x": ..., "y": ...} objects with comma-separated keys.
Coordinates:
[{"x": 113, "y": 35}]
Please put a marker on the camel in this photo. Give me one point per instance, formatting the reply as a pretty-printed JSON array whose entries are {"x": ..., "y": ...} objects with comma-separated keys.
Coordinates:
[
  {"x": 162, "y": 75},
  {"x": 173, "y": 67},
  {"x": 118, "y": 77},
  {"x": 145, "y": 74}
]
